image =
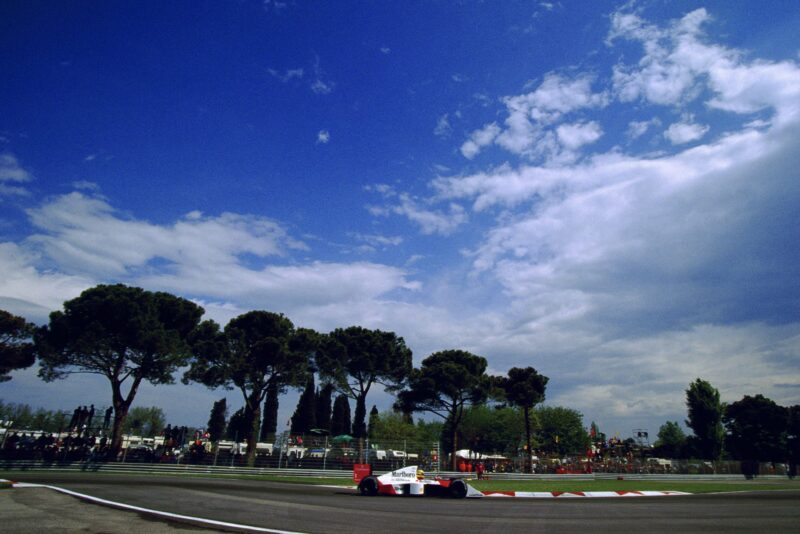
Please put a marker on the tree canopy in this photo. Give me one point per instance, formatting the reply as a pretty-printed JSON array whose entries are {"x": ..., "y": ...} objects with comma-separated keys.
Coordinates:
[
  {"x": 671, "y": 441},
  {"x": 340, "y": 419},
  {"x": 524, "y": 388},
  {"x": 254, "y": 350},
  {"x": 216, "y": 420},
  {"x": 126, "y": 334},
  {"x": 304, "y": 417},
  {"x": 705, "y": 419},
  {"x": 145, "y": 421},
  {"x": 491, "y": 430},
  {"x": 16, "y": 346},
  {"x": 354, "y": 359},
  {"x": 445, "y": 384},
  {"x": 756, "y": 429},
  {"x": 561, "y": 430}
]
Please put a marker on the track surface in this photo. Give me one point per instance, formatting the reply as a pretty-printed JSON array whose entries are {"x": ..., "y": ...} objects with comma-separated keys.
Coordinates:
[{"x": 315, "y": 509}]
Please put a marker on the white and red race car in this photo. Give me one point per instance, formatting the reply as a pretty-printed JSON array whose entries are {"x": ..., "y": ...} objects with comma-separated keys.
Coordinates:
[{"x": 411, "y": 481}]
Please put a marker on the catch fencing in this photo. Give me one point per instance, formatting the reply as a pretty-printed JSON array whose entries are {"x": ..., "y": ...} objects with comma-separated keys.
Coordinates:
[{"x": 226, "y": 471}]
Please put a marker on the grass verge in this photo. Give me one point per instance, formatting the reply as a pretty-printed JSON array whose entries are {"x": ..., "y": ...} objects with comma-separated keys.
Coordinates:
[
  {"x": 528, "y": 485},
  {"x": 635, "y": 485}
]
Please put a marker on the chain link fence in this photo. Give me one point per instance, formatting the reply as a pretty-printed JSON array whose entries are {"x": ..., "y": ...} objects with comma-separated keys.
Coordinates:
[{"x": 319, "y": 452}]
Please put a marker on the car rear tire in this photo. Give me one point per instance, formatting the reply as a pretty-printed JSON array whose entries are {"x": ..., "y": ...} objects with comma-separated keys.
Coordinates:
[
  {"x": 458, "y": 489},
  {"x": 368, "y": 486}
]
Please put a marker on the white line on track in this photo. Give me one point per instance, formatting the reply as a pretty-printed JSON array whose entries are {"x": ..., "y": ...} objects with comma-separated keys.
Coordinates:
[{"x": 168, "y": 515}]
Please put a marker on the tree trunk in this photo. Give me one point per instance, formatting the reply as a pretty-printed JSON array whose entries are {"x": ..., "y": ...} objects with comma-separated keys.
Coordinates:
[
  {"x": 120, "y": 414},
  {"x": 121, "y": 407},
  {"x": 454, "y": 460},
  {"x": 360, "y": 417},
  {"x": 253, "y": 412},
  {"x": 528, "y": 466}
]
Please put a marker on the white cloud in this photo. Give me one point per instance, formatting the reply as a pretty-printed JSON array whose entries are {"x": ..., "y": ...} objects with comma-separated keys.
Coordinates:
[
  {"x": 386, "y": 50},
  {"x": 637, "y": 129},
  {"x": 31, "y": 292},
  {"x": 322, "y": 88},
  {"x": 378, "y": 241},
  {"x": 633, "y": 274},
  {"x": 430, "y": 221},
  {"x": 85, "y": 185},
  {"x": 479, "y": 139},
  {"x": 531, "y": 117},
  {"x": 323, "y": 137},
  {"x": 319, "y": 85},
  {"x": 288, "y": 75},
  {"x": 443, "y": 128},
  {"x": 274, "y": 5},
  {"x": 680, "y": 133},
  {"x": 575, "y": 135},
  {"x": 12, "y": 172},
  {"x": 86, "y": 235},
  {"x": 207, "y": 258}
]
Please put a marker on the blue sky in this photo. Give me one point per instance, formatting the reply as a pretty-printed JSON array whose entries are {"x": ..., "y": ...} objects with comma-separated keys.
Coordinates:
[{"x": 604, "y": 191}]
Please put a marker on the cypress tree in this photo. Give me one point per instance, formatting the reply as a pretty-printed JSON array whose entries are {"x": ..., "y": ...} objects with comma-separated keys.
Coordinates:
[
  {"x": 373, "y": 420},
  {"x": 705, "y": 413},
  {"x": 340, "y": 420},
  {"x": 303, "y": 419},
  {"x": 269, "y": 426},
  {"x": 238, "y": 425},
  {"x": 216, "y": 420},
  {"x": 323, "y": 412}
]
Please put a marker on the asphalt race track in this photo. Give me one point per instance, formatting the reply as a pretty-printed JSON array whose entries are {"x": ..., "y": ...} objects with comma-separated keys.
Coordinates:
[{"x": 312, "y": 509}]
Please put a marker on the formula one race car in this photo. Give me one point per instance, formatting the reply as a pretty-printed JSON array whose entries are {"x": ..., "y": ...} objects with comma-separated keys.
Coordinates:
[{"x": 411, "y": 481}]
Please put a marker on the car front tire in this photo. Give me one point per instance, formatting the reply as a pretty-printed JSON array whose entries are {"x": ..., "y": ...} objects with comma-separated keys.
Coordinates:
[
  {"x": 368, "y": 486},
  {"x": 458, "y": 489}
]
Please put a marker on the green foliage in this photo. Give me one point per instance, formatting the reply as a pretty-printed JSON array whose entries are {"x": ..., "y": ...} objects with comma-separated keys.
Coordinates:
[
  {"x": 323, "y": 409},
  {"x": 304, "y": 417},
  {"x": 561, "y": 431},
  {"x": 671, "y": 441},
  {"x": 705, "y": 419},
  {"x": 391, "y": 427},
  {"x": 340, "y": 420},
  {"x": 147, "y": 422},
  {"x": 238, "y": 426},
  {"x": 428, "y": 431},
  {"x": 355, "y": 358},
  {"x": 492, "y": 430},
  {"x": 120, "y": 332},
  {"x": 269, "y": 424},
  {"x": 756, "y": 429},
  {"x": 373, "y": 418},
  {"x": 255, "y": 349},
  {"x": 27, "y": 418},
  {"x": 445, "y": 384},
  {"x": 16, "y": 348},
  {"x": 793, "y": 435},
  {"x": 524, "y": 388},
  {"x": 216, "y": 420}
]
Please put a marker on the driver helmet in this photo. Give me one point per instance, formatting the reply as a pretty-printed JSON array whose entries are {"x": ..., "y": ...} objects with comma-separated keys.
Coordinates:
[{"x": 420, "y": 474}]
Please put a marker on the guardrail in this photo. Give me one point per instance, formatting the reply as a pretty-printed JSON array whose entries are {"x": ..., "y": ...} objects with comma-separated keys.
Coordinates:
[
  {"x": 208, "y": 470},
  {"x": 170, "y": 469}
]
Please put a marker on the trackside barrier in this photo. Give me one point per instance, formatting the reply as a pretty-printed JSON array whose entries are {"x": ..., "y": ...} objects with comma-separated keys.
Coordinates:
[{"x": 206, "y": 470}]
